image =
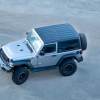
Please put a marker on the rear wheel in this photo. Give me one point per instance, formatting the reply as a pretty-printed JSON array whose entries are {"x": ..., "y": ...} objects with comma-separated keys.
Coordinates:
[
  {"x": 83, "y": 41},
  {"x": 20, "y": 75},
  {"x": 68, "y": 67}
]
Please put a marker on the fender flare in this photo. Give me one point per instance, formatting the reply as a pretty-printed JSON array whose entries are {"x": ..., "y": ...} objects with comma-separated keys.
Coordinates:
[{"x": 78, "y": 58}]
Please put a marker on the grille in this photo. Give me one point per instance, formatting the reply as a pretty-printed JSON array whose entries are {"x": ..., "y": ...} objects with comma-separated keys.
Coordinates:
[{"x": 3, "y": 56}]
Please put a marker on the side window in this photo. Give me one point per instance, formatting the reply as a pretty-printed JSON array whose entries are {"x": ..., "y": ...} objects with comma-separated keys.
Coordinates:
[
  {"x": 68, "y": 45},
  {"x": 49, "y": 48}
]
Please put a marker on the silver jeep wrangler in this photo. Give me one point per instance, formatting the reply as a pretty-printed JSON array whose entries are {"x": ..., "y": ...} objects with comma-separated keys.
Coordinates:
[{"x": 56, "y": 46}]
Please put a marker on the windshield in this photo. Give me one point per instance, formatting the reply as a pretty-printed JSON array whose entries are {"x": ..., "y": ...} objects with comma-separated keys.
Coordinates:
[{"x": 34, "y": 41}]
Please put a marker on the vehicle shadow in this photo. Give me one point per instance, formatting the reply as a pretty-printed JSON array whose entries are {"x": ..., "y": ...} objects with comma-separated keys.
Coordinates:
[{"x": 45, "y": 75}]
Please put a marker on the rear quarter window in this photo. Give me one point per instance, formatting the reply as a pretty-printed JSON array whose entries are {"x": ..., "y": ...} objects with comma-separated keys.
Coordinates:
[{"x": 68, "y": 45}]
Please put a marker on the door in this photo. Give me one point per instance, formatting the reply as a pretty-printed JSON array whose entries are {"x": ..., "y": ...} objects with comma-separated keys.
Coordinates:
[{"x": 48, "y": 56}]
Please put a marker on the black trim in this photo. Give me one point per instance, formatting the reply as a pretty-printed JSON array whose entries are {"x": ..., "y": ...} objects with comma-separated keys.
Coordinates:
[
  {"x": 43, "y": 68},
  {"x": 63, "y": 58},
  {"x": 21, "y": 62}
]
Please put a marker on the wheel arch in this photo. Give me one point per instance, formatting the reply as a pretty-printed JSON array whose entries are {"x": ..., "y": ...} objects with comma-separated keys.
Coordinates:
[
  {"x": 78, "y": 59},
  {"x": 21, "y": 65},
  {"x": 62, "y": 59}
]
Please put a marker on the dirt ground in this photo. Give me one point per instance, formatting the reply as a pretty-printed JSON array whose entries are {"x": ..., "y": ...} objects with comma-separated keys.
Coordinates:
[{"x": 17, "y": 17}]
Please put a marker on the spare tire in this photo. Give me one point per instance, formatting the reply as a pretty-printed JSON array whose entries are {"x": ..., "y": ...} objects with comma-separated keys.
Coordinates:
[{"x": 83, "y": 41}]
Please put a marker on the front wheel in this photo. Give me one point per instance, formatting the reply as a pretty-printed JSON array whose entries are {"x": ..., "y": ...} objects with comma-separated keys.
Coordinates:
[
  {"x": 20, "y": 75},
  {"x": 68, "y": 67}
]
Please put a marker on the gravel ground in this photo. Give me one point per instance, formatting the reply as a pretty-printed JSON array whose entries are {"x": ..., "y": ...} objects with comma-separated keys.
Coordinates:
[{"x": 16, "y": 17}]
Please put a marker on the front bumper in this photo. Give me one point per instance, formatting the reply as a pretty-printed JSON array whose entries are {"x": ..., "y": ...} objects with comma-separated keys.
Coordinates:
[{"x": 4, "y": 66}]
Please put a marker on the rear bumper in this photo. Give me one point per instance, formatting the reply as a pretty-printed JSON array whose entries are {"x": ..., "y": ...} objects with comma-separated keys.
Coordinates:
[{"x": 79, "y": 58}]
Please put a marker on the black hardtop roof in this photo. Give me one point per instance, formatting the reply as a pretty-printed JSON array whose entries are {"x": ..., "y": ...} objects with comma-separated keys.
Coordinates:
[{"x": 57, "y": 33}]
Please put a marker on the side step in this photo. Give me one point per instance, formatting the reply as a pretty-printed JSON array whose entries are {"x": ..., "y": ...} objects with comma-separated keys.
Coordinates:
[{"x": 43, "y": 68}]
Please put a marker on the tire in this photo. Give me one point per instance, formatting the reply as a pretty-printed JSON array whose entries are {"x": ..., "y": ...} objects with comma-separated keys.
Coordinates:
[
  {"x": 20, "y": 75},
  {"x": 68, "y": 67},
  {"x": 83, "y": 41}
]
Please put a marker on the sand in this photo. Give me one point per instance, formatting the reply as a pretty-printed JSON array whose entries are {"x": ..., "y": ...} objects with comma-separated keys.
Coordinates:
[{"x": 17, "y": 17}]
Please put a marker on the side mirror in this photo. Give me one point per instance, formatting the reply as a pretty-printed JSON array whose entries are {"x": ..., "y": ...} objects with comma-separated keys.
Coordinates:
[{"x": 42, "y": 53}]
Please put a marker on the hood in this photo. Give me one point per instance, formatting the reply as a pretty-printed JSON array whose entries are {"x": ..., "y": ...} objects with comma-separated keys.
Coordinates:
[{"x": 18, "y": 50}]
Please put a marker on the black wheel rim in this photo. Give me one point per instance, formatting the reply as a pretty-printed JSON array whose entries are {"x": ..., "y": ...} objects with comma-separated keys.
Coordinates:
[
  {"x": 68, "y": 69},
  {"x": 22, "y": 76}
]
